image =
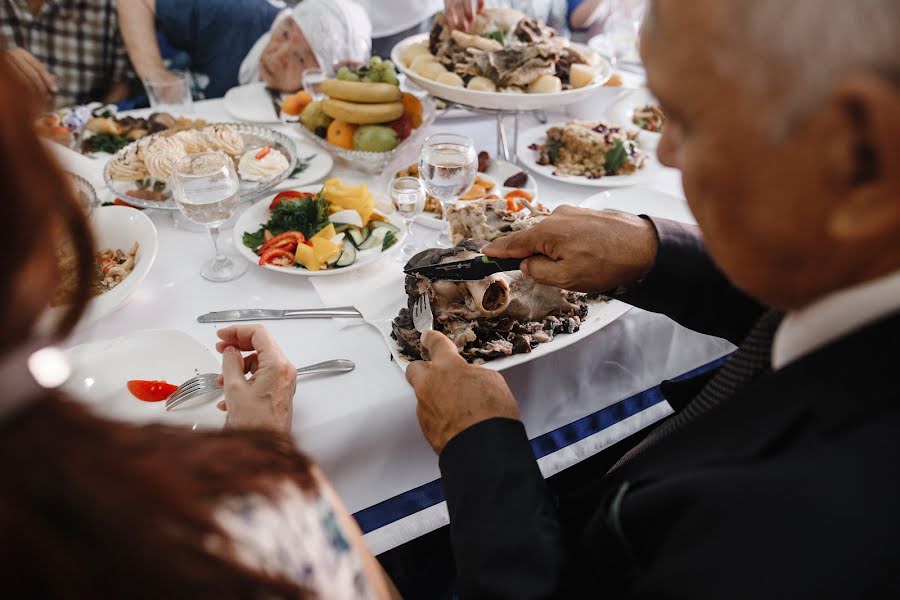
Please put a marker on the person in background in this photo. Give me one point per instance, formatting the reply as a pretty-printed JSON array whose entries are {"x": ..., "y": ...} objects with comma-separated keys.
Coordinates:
[
  {"x": 777, "y": 477},
  {"x": 66, "y": 52},
  {"x": 588, "y": 14},
  {"x": 316, "y": 34},
  {"x": 91, "y": 508},
  {"x": 215, "y": 34},
  {"x": 395, "y": 20}
]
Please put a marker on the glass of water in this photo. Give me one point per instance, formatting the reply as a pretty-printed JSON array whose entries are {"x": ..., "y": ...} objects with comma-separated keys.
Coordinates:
[
  {"x": 170, "y": 92},
  {"x": 448, "y": 166},
  {"x": 207, "y": 191},
  {"x": 408, "y": 198}
]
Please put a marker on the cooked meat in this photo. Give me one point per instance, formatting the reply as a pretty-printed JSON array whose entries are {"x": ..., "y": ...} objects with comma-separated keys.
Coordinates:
[
  {"x": 489, "y": 219},
  {"x": 530, "y": 31},
  {"x": 504, "y": 314},
  {"x": 519, "y": 66}
]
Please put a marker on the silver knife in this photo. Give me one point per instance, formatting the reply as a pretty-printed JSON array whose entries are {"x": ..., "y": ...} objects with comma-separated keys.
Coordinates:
[{"x": 264, "y": 314}]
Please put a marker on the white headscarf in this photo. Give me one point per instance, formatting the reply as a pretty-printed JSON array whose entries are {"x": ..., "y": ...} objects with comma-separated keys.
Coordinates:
[{"x": 336, "y": 31}]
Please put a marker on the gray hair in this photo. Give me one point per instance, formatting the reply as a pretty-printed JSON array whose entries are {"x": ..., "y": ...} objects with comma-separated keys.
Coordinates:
[{"x": 798, "y": 49}]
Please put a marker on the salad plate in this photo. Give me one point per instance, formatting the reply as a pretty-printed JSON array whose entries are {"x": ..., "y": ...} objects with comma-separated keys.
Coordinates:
[
  {"x": 538, "y": 135},
  {"x": 359, "y": 244},
  {"x": 102, "y": 369},
  {"x": 622, "y": 114}
]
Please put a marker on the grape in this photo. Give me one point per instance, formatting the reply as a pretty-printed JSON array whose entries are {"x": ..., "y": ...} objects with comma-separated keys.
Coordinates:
[
  {"x": 391, "y": 78},
  {"x": 345, "y": 74},
  {"x": 375, "y": 61},
  {"x": 388, "y": 65}
]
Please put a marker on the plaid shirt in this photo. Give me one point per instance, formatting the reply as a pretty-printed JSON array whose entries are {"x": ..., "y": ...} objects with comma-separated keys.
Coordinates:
[{"x": 76, "y": 40}]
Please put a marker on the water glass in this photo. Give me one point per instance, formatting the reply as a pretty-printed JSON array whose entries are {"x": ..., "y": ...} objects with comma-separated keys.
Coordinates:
[
  {"x": 312, "y": 82},
  {"x": 207, "y": 191},
  {"x": 170, "y": 92},
  {"x": 408, "y": 198},
  {"x": 448, "y": 165}
]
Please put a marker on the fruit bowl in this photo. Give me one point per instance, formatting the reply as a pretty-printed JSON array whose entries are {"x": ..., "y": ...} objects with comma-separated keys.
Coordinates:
[{"x": 375, "y": 162}]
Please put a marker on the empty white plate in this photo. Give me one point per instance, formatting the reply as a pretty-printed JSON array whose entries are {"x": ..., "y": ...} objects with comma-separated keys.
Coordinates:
[{"x": 640, "y": 201}]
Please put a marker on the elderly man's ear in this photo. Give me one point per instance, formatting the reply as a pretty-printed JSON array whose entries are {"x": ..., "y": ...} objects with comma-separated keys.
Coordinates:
[{"x": 866, "y": 159}]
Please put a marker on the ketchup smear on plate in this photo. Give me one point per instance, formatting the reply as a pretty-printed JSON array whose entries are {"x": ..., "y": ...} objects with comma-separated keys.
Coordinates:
[{"x": 151, "y": 391}]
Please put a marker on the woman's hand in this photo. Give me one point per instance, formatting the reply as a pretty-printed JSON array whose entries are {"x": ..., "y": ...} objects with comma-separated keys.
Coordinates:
[
  {"x": 33, "y": 74},
  {"x": 461, "y": 13},
  {"x": 266, "y": 399}
]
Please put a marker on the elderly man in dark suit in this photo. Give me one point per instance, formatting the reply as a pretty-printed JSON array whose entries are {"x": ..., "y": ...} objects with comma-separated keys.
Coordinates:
[{"x": 779, "y": 476}]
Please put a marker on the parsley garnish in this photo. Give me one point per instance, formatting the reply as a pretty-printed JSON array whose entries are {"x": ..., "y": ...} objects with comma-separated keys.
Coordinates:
[
  {"x": 498, "y": 35},
  {"x": 615, "y": 158},
  {"x": 553, "y": 149},
  {"x": 308, "y": 216},
  {"x": 389, "y": 240}
]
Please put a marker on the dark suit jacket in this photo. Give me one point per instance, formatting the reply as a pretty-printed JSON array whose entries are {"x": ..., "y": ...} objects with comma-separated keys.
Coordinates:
[{"x": 789, "y": 490}]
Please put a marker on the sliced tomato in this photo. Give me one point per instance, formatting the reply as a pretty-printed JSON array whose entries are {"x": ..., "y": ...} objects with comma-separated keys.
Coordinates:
[
  {"x": 263, "y": 153},
  {"x": 512, "y": 205},
  {"x": 520, "y": 194},
  {"x": 287, "y": 239},
  {"x": 277, "y": 257},
  {"x": 289, "y": 195},
  {"x": 120, "y": 202},
  {"x": 151, "y": 391}
]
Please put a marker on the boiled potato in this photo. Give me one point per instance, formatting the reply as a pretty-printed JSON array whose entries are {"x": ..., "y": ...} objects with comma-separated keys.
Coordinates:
[
  {"x": 450, "y": 79},
  {"x": 481, "y": 84},
  {"x": 615, "y": 80},
  {"x": 420, "y": 61},
  {"x": 431, "y": 70},
  {"x": 413, "y": 52},
  {"x": 581, "y": 76},
  {"x": 545, "y": 84}
]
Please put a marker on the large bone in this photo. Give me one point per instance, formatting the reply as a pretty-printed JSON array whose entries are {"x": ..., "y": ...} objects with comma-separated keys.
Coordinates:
[{"x": 490, "y": 296}]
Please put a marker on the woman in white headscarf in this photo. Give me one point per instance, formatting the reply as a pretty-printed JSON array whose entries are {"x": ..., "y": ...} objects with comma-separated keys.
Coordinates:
[{"x": 322, "y": 34}]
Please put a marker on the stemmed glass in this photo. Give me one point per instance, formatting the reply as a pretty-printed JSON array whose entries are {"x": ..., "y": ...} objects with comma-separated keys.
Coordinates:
[
  {"x": 448, "y": 165},
  {"x": 408, "y": 198},
  {"x": 207, "y": 191}
]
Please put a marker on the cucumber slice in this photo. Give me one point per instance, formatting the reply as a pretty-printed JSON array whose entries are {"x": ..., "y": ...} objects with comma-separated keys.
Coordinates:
[
  {"x": 384, "y": 224},
  {"x": 375, "y": 239},
  {"x": 358, "y": 236},
  {"x": 348, "y": 256},
  {"x": 347, "y": 217}
]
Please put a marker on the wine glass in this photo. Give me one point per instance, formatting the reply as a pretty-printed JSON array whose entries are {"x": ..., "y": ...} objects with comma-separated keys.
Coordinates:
[
  {"x": 448, "y": 165},
  {"x": 207, "y": 191},
  {"x": 408, "y": 198}
]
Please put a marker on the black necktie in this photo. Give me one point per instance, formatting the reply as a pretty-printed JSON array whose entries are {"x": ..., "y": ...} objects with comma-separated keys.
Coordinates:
[{"x": 751, "y": 360}]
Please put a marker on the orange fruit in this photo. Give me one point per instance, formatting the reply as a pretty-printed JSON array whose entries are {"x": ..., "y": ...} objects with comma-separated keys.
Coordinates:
[
  {"x": 341, "y": 134},
  {"x": 294, "y": 105},
  {"x": 413, "y": 107}
]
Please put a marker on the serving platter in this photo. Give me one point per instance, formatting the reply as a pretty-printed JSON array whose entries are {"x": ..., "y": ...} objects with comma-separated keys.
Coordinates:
[
  {"x": 622, "y": 114},
  {"x": 101, "y": 371},
  {"x": 258, "y": 215},
  {"x": 498, "y": 100},
  {"x": 254, "y": 136},
  {"x": 538, "y": 135}
]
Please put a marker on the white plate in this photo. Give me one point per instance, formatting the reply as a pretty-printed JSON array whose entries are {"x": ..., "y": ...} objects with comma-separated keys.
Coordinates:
[
  {"x": 599, "y": 315},
  {"x": 251, "y": 103},
  {"x": 499, "y": 100},
  {"x": 640, "y": 201},
  {"x": 117, "y": 227},
  {"x": 258, "y": 215},
  {"x": 102, "y": 369},
  {"x": 622, "y": 114},
  {"x": 538, "y": 135},
  {"x": 320, "y": 165},
  {"x": 499, "y": 172},
  {"x": 254, "y": 137}
]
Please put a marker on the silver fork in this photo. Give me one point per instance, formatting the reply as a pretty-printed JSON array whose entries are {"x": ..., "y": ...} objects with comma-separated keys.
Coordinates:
[
  {"x": 423, "y": 318},
  {"x": 203, "y": 384}
]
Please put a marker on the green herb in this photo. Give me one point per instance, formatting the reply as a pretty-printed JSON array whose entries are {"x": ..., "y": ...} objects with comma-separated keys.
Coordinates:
[
  {"x": 615, "y": 157},
  {"x": 105, "y": 142},
  {"x": 389, "y": 240},
  {"x": 499, "y": 36},
  {"x": 553, "y": 149},
  {"x": 308, "y": 216},
  {"x": 301, "y": 165}
]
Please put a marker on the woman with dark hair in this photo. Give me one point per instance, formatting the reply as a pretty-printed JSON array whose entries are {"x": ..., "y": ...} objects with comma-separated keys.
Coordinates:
[{"x": 91, "y": 508}]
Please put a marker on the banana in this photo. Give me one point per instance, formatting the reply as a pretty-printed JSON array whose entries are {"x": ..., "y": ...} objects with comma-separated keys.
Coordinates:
[
  {"x": 357, "y": 91},
  {"x": 362, "y": 114}
]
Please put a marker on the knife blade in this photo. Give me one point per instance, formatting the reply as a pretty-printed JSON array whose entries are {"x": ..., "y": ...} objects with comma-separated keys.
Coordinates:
[
  {"x": 467, "y": 270},
  {"x": 265, "y": 314}
]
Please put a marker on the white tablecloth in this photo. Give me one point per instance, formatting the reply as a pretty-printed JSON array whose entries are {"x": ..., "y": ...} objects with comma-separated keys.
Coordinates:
[{"x": 361, "y": 428}]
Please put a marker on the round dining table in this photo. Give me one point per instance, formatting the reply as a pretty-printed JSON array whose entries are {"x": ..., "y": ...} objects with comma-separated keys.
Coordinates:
[{"x": 361, "y": 427}]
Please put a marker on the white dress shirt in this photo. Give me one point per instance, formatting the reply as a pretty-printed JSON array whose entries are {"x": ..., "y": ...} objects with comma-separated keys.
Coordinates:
[{"x": 834, "y": 316}]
